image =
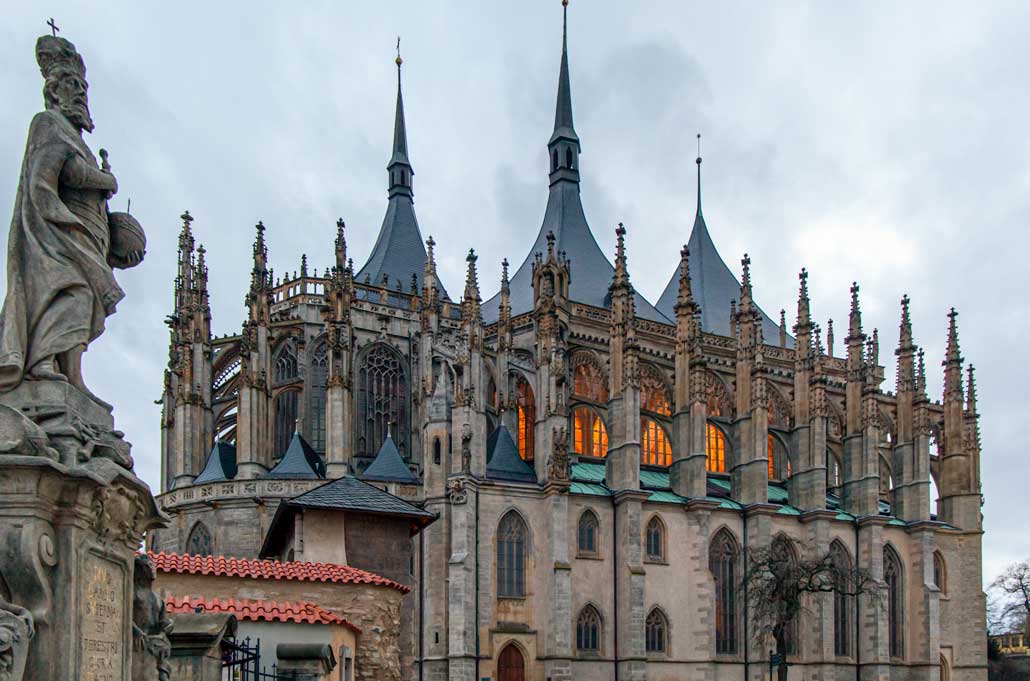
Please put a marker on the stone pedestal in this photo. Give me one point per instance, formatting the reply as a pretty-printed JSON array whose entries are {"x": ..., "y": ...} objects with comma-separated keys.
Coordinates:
[
  {"x": 305, "y": 661},
  {"x": 197, "y": 645},
  {"x": 68, "y": 538}
]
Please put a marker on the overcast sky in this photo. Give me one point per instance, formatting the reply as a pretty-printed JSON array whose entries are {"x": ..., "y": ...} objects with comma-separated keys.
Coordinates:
[{"x": 878, "y": 142}]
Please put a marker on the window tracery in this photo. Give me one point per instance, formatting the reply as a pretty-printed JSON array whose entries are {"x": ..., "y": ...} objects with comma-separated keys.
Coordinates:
[
  {"x": 719, "y": 402},
  {"x": 722, "y": 562},
  {"x": 319, "y": 376},
  {"x": 715, "y": 446},
  {"x": 654, "y": 392},
  {"x": 587, "y": 533},
  {"x": 655, "y": 540},
  {"x": 286, "y": 409},
  {"x": 843, "y": 601},
  {"x": 895, "y": 596},
  {"x": 199, "y": 542},
  {"x": 589, "y": 435},
  {"x": 382, "y": 401},
  {"x": 511, "y": 556},
  {"x": 588, "y": 630},
  {"x": 654, "y": 444},
  {"x": 656, "y": 630},
  {"x": 588, "y": 381}
]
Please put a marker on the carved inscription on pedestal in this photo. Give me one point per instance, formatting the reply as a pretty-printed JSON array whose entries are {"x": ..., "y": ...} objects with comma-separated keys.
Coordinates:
[{"x": 102, "y": 627}]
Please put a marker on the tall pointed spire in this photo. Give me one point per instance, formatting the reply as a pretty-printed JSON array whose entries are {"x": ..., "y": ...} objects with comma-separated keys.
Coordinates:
[
  {"x": 953, "y": 363},
  {"x": 564, "y": 145},
  {"x": 400, "y": 167}
]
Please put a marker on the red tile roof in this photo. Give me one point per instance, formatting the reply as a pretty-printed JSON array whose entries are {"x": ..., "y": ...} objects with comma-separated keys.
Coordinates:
[
  {"x": 222, "y": 566},
  {"x": 260, "y": 611}
]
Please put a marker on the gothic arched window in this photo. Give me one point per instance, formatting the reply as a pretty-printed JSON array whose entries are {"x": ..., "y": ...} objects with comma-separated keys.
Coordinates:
[
  {"x": 843, "y": 601},
  {"x": 784, "y": 553},
  {"x": 715, "y": 445},
  {"x": 719, "y": 403},
  {"x": 587, "y": 533},
  {"x": 654, "y": 393},
  {"x": 199, "y": 542},
  {"x": 588, "y": 382},
  {"x": 568, "y": 157},
  {"x": 286, "y": 368},
  {"x": 654, "y": 537},
  {"x": 832, "y": 471},
  {"x": 285, "y": 420},
  {"x": 316, "y": 397},
  {"x": 588, "y": 630},
  {"x": 722, "y": 562},
  {"x": 382, "y": 401},
  {"x": 511, "y": 666},
  {"x": 779, "y": 462},
  {"x": 589, "y": 436},
  {"x": 940, "y": 574},
  {"x": 654, "y": 444},
  {"x": 554, "y": 160},
  {"x": 511, "y": 556},
  {"x": 527, "y": 417},
  {"x": 656, "y": 632},
  {"x": 895, "y": 601}
]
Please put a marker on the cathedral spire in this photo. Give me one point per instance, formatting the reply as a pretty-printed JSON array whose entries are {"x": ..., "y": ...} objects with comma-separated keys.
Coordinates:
[
  {"x": 906, "y": 370},
  {"x": 400, "y": 167},
  {"x": 564, "y": 145},
  {"x": 621, "y": 270}
]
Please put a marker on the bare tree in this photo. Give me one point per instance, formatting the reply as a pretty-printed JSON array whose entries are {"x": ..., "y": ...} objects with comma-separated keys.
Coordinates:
[
  {"x": 777, "y": 581},
  {"x": 1012, "y": 590}
]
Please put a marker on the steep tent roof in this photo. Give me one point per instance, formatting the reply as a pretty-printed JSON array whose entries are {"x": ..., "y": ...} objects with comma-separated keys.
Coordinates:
[
  {"x": 221, "y": 464},
  {"x": 713, "y": 283},
  {"x": 300, "y": 462},
  {"x": 399, "y": 251},
  {"x": 591, "y": 272},
  {"x": 350, "y": 494},
  {"x": 388, "y": 465},
  {"x": 503, "y": 460}
]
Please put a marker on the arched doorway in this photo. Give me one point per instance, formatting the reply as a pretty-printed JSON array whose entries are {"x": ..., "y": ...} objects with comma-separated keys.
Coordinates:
[{"x": 510, "y": 665}]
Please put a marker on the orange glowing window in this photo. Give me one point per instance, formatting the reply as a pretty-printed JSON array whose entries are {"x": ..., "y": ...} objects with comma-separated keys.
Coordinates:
[
  {"x": 772, "y": 457},
  {"x": 589, "y": 436},
  {"x": 654, "y": 394},
  {"x": 526, "y": 413},
  {"x": 589, "y": 384},
  {"x": 654, "y": 444},
  {"x": 716, "y": 449}
]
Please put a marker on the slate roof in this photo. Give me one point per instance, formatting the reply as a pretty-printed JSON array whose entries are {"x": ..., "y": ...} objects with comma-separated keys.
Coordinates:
[
  {"x": 503, "y": 460},
  {"x": 388, "y": 465},
  {"x": 350, "y": 494},
  {"x": 300, "y": 612},
  {"x": 221, "y": 464},
  {"x": 590, "y": 271},
  {"x": 399, "y": 251},
  {"x": 712, "y": 283},
  {"x": 300, "y": 462},
  {"x": 222, "y": 566}
]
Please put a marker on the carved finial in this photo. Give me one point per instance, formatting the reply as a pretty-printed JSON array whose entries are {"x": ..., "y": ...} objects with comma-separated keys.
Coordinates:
[
  {"x": 971, "y": 390},
  {"x": 855, "y": 317},
  {"x": 829, "y": 338},
  {"x": 429, "y": 249},
  {"x": 921, "y": 372},
  {"x": 783, "y": 328},
  {"x": 304, "y": 265},
  {"x": 698, "y": 161},
  {"x": 905, "y": 334},
  {"x": 621, "y": 271},
  {"x": 952, "y": 362},
  {"x": 53, "y": 27},
  {"x": 187, "y": 219},
  {"x": 686, "y": 292},
  {"x": 818, "y": 333},
  {"x": 341, "y": 243}
]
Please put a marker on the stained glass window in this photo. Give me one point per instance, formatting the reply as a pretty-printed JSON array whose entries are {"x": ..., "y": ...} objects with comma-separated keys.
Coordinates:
[
  {"x": 319, "y": 377},
  {"x": 716, "y": 449},
  {"x": 527, "y": 417},
  {"x": 511, "y": 556},
  {"x": 588, "y": 630},
  {"x": 655, "y": 632},
  {"x": 654, "y": 444},
  {"x": 722, "y": 561},
  {"x": 589, "y": 435}
]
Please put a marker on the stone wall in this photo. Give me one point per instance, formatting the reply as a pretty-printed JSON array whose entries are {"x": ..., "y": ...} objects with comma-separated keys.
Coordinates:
[{"x": 376, "y": 610}]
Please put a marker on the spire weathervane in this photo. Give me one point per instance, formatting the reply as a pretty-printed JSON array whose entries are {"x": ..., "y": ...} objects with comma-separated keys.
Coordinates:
[
  {"x": 698, "y": 161},
  {"x": 53, "y": 27},
  {"x": 398, "y": 59}
]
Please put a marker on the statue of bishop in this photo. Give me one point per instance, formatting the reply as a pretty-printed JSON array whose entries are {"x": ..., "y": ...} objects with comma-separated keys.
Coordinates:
[{"x": 63, "y": 242}]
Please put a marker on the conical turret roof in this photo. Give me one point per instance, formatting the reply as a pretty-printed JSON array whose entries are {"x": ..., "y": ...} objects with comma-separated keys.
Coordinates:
[{"x": 388, "y": 466}]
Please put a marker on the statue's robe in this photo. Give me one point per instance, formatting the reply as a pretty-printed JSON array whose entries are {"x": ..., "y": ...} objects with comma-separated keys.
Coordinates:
[{"x": 60, "y": 287}]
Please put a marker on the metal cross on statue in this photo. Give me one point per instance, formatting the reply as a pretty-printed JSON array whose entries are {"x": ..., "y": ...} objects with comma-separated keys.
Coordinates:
[{"x": 53, "y": 26}]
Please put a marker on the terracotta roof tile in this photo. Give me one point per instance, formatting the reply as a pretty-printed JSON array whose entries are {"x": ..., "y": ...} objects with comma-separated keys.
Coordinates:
[
  {"x": 260, "y": 611},
  {"x": 223, "y": 566}
]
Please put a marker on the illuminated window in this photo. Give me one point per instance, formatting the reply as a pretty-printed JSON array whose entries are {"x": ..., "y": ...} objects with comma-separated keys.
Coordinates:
[
  {"x": 772, "y": 457},
  {"x": 526, "y": 412},
  {"x": 589, "y": 436},
  {"x": 654, "y": 394},
  {"x": 716, "y": 448},
  {"x": 654, "y": 444},
  {"x": 588, "y": 382}
]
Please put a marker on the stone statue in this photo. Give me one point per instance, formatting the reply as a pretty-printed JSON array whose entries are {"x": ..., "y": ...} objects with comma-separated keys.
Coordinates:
[
  {"x": 16, "y": 628},
  {"x": 150, "y": 627},
  {"x": 559, "y": 466},
  {"x": 466, "y": 449},
  {"x": 63, "y": 241},
  {"x": 62, "y": 248}
]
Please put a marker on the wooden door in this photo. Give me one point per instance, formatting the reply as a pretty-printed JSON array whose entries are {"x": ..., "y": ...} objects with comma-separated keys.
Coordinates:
[{"x": 510, "y": 665}]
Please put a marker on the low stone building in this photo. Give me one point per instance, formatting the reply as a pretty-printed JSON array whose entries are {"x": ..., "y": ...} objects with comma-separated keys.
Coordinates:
[{"x": 356, "y": 611}]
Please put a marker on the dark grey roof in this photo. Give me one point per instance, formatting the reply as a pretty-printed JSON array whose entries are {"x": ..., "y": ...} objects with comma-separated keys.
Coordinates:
[
  {"x": 221, "y": 464},
  {"x": 300, "y": 461},
  {"x": 503, "y": 460},
  {"x": 590, "y": 271},
  {"x": 399, "y": 251},
  {"x": 350, "y": 494},
  {"x": 712, "y": 284},
  {"x": 388, "y": 465}
]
